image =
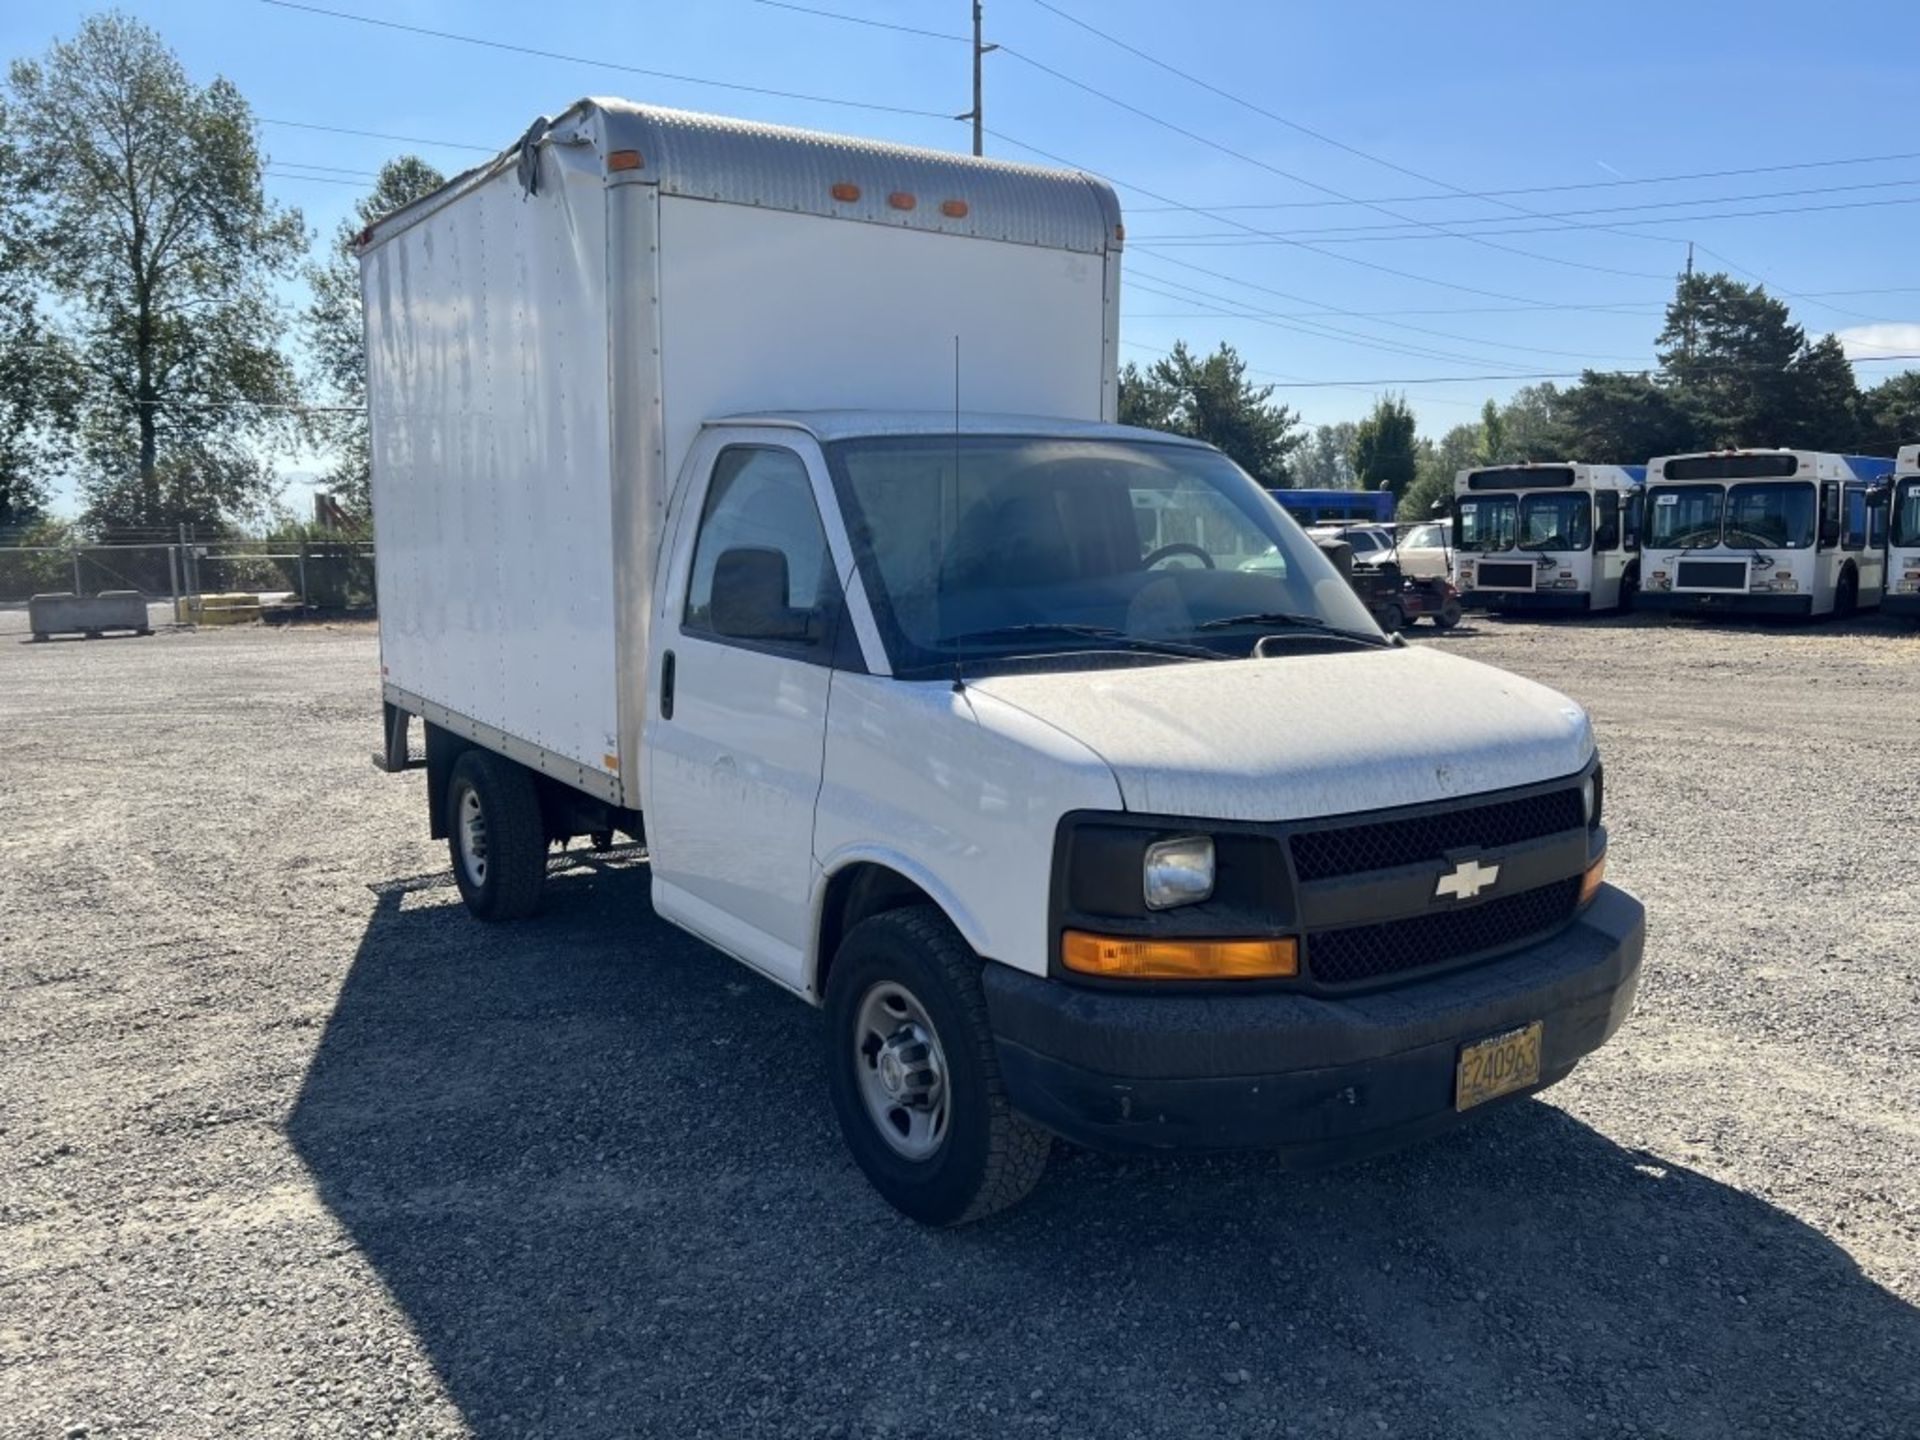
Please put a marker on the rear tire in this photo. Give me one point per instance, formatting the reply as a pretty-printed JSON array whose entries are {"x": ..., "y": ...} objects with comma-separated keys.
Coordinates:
[
  {"x": 914, "y": 1076},
  {"x": 1393, "y": 619},
  {"x": 496, "y": 836},
  {"x": 1448, "y": 615}
]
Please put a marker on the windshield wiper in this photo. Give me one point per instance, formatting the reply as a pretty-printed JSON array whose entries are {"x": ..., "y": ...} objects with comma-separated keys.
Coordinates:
[
  {"x": 1091, "y": 632},
  {"x": 1276, "y": 618}
]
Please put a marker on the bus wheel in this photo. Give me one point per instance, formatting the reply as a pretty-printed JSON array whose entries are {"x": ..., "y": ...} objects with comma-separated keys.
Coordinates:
[
  {"x": 1629, "y": 590},
  {"x": 1846, "y": 595}
]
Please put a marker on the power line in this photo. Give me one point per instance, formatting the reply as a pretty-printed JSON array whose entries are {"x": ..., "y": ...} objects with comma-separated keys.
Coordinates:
[
  {"x": 604, "y": 64},
  {"x": 1540, "y": 375},
  {"x": 1246, "y": 159},
  {"x": 1397, "y": 232},
  {"x": 383, "y": 135},
  {"x": 863, "y": 20},
  {"x": 1555, "y": 189}
]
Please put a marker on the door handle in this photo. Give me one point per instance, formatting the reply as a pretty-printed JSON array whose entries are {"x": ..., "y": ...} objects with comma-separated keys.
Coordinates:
[{"x": 666, "y": 686}]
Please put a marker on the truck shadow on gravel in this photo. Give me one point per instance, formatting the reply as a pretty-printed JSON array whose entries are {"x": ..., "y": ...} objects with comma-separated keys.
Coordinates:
[{"x": 593, "y": 1162}]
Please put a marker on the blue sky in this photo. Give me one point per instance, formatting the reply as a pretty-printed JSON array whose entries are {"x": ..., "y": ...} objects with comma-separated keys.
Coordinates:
[{"x": 1494, "y": 95}]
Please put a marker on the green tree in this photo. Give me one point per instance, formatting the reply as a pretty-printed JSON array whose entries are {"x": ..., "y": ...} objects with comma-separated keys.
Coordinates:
[
  {"x": 1890, "y": 414},
  {"x": 1436, "y": 463},
  {"x": 1490, "y": 444},
  {"x": 1324, "y": 460},
  {"x": 1826, "y": 398},
  {"x": 1211, "y": 399},
  {"x": 334, "y": 335},
  {"x": 1383, "y": 447},
  {"x": 1529, "y": 425},
  {"x": 147, "y": 216},
  {"x": 1625, "y": 419}
]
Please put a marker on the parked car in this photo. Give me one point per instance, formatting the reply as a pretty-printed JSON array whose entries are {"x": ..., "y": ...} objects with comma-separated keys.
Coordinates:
[{"x": 1046, "y": 756}]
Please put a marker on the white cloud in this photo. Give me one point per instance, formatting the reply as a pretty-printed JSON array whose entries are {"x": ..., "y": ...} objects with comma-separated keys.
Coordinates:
[{"x": 1870, "y": 342}]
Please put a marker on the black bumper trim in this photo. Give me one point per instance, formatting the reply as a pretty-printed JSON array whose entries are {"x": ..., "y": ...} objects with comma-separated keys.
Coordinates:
[
  {"x": 1319, "y": 1080},
  {"x": 1578, "y": 601},
  {"x": 1902, "y": 605},
  {"x": 1691, "y": 602}
]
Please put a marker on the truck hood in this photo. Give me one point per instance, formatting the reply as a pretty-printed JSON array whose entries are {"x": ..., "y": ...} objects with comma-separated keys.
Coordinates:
[{"x": 1314, "y": 734}]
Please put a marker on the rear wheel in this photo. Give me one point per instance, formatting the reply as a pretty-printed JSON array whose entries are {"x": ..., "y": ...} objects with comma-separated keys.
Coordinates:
[
  {"x": 496, "y": 836},
  {"x": 1449, "y": 613},
  {"x": 914, "y": 1076},
  {"x": 1393, "y": 618}
]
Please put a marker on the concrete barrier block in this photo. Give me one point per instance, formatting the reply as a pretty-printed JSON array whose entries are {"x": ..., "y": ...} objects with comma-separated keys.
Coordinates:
[{"x": 66, "y": 613}]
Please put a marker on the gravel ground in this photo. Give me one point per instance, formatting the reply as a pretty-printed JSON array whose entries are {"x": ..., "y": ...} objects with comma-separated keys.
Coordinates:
[{"x": 288, "y": 1146}]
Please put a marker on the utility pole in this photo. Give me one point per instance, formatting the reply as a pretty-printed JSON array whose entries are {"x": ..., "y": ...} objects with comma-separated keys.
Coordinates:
[{"x": 978, "y": 114}]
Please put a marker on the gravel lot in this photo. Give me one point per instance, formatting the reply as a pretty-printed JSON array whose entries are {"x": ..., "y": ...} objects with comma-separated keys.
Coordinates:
[{"x": 288, "y": 1146}]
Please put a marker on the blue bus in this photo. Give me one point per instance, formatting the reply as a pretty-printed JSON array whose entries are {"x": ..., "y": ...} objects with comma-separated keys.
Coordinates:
[{"x": 1337, "y": 507}]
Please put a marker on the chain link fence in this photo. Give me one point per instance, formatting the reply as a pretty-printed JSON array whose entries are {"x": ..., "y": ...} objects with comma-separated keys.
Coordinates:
[{"x": 330, "y": 576}]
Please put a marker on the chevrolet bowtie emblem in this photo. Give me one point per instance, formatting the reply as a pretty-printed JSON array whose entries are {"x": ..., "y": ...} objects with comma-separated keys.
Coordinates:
[{"x": 1466, "y": 880}]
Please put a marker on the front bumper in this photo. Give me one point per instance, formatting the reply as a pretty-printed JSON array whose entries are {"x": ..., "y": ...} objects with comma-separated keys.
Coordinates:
[
  {"x": 1693, "y": 602},
  {"x": 1319, "y": 1080},
  {"x": 1902, "y": 605},
  {"x": 1525, "y": 600}
]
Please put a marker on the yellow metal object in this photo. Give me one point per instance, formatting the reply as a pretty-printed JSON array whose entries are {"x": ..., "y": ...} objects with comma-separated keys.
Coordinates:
[{"x": 236, "y": 607}]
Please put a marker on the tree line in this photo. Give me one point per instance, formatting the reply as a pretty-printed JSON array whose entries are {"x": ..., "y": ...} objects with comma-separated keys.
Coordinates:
[
  {"x": 147, "y": 347},
  {"x": 1733, "y": 370}
]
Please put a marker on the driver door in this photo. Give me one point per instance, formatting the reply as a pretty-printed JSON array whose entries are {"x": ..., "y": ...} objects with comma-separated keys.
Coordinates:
[{"x": 737, "y": 717}]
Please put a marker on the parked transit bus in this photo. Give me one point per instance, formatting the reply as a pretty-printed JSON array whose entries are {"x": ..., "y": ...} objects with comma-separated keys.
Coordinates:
[
  {"x": 1336, "y": 507},
  {"x": 1547, "y": 536},
  {"x": 1765, "y": 532},
  {"x": 1903, "y": 537}
]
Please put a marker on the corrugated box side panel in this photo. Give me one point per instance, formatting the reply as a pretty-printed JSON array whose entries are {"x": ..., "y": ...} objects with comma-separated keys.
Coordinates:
[{"x": 487, "y": 385}]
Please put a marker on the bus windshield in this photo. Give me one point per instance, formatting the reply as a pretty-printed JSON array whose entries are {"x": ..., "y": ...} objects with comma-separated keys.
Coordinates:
[
  {"x": 1684, "y": 516},
  {"x": 1486, "y": 523},
  {"x": 1556, "y": 522},
  {"x": 1906, "y": 513},
  {"x": 1778, "y": 514}
]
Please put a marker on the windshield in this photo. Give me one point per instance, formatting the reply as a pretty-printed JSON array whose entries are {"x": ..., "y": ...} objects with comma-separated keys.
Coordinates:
[
  {"x": 1684, "y": 516},
  {"x": 1906, "y": 513},
  {"x": 1556, "y": 522},
  {"x": 1778, "y": 514},
  {"x": 973, "y": 547},
  {"x": 1486, "y": 522}
]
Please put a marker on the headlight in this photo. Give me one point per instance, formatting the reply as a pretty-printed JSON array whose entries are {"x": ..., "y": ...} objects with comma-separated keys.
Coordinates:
[
  {"x": 1593, "y": 795},
  {"x": 1178, "y": 872}
]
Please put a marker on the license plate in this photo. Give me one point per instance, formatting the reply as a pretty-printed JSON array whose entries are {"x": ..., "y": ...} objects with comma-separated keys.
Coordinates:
[{"x": 1497, "y": 1066}]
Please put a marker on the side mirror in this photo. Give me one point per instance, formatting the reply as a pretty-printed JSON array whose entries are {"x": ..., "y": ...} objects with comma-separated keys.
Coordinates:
[
  {"x": 750, "y": 597},
  {"x": 1438, "y": 508},
  {"x": 1340, "y": 553},
  {"x": 1881, "y": 493}
]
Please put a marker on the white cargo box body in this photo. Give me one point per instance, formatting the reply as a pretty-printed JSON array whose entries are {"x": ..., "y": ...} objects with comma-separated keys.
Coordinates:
[{"x": 547, "y": 334}]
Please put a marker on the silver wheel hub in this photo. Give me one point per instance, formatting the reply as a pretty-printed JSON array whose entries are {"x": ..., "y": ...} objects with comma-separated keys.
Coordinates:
[
  {"x": 902, "y": 1070},
  {"x": 472, "y": 830}
]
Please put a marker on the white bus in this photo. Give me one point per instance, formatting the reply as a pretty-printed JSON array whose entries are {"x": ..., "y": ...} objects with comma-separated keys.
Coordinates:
[
  {"x": 1903, "y": 536},
  {"x": 1765, "y": 532},
  {"x": 1547, "y": 536}
]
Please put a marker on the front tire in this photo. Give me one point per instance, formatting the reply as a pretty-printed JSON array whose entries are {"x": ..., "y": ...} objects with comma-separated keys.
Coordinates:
[
  {"x": 1846, "y": 596},
  {"x": 914, "y": 1077},
  {"x": 496, "y": 836},
  {"x": 1449, "y": 614}
]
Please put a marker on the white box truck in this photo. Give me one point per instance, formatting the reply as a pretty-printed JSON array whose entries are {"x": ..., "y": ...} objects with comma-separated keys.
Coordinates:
[{"x": 756, "y": 493}]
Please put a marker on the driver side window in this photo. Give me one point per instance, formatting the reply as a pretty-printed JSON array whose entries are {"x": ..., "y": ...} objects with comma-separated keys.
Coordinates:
[
  {"x": 760, "y": 533},
  {"x": 1607, "y": 535}
]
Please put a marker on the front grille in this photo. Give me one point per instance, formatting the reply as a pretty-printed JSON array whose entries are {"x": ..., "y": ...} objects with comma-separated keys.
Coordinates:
[
  {"x": 1368, "y": 952},
  {"x": 1505, "y": 575},
  {"x": 1712, "y": 574},
  {"x": 1386, "y": 844}
]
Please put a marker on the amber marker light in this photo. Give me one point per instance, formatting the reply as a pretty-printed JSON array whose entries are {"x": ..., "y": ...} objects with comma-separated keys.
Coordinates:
[
  {"x": 1590, "y": 882},
  {"x": 954, "y": 209},
  {"x": 624, "y": 160},
  {"x": 901, "y": 200},
  {"x": 1128, "y": 957},
  {"x": 846, "y": 191}
]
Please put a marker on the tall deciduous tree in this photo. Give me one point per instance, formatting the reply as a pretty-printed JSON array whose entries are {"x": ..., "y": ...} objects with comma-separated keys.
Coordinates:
[
  {"x": 1890, "y": 414},
  {"x": 1211, "y": 399},
  {"x": 1383, "y": 447},
  {"x": 37, "y": 377},
  {"x": 150, "y": 223},
  {"x": 1324, "y": 460},
  {"x": 334, "y": 333}
]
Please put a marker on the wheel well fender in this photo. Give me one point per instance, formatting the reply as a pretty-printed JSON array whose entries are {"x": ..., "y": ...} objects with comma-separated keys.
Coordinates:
[{"x": 854, "y": 888}]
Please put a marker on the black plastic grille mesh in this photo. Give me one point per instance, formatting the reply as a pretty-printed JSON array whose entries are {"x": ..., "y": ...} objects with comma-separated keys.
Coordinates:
[
  {"x": 1506, "y": 572},
  {"x": 1367, "y": 952},
  {"x": 1384, "y": 844}
]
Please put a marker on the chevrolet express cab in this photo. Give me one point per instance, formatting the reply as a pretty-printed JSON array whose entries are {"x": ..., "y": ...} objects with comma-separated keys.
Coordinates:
[{"x": 756, "y": 493}]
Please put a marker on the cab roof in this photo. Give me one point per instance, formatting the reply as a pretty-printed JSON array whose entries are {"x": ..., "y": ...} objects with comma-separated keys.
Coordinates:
[{"x": 830, "y": 425}]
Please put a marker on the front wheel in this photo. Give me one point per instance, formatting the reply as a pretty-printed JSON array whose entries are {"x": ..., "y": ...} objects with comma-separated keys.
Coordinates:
[
  {"x": 1846, "y": 596},
  {"x": 1449, "y": 614},
  {"x": 914, "y": 1077},
  {"x": 1393, "y": 619},
  {"x": 496, "y": 836}
]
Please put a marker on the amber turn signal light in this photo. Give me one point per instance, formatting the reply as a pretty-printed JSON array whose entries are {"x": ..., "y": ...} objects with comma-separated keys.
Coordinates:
[
  {"x": 1128, "y": 957},
  {"x": 625, "y": 160},
  {"x": 1590, "y": 882}
]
